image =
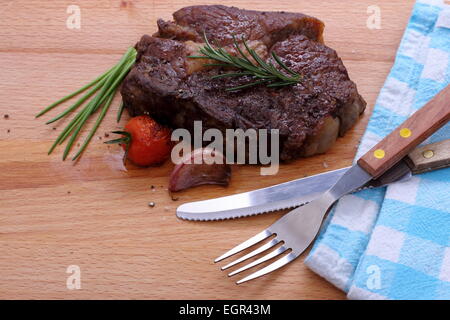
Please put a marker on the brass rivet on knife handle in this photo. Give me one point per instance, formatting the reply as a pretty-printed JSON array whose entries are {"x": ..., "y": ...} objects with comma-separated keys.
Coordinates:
[
  {"x": 400, "y": 142},
  {"x": 430, "y": 157}
]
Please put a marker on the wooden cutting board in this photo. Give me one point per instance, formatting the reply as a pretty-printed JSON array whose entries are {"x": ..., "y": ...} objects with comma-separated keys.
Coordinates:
[{"x": 94, "y": 214}]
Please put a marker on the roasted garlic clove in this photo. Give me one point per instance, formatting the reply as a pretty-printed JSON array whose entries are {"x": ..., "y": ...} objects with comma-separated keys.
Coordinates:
[{"x": 200, "y": 167}]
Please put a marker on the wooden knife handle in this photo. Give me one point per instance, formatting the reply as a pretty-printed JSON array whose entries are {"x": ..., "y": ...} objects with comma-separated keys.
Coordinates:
[
  {"x": 406, "y": 137},
  {"x": 430, "y": 157}
]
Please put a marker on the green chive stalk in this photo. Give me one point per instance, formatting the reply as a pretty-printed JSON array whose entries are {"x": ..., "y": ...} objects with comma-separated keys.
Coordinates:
[{"x": 104, "y": 88}]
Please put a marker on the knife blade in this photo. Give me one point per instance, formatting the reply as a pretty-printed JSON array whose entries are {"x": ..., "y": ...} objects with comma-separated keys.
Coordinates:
[{"x": 301, "y": 191}]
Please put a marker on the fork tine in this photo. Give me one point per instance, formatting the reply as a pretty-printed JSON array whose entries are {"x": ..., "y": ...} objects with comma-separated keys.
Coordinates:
[
  {"x": 271, "y": 267},
  {"x": 244, "y": 245},
  {"x": 263, "y": 248},
  {"x": 267, "y": 257}
]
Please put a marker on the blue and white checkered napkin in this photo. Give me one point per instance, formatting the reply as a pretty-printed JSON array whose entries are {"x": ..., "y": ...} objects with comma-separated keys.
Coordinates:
[{"x": 394, "y": 243}]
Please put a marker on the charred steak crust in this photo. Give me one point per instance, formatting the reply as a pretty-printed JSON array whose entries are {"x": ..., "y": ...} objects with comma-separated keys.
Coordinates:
[
  {"x": 220, "y": 23},
  {"x": 310, "y": 115}
]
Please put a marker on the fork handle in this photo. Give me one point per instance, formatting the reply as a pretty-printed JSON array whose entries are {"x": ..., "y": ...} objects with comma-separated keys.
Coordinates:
[{"x": 407, "y": 136}]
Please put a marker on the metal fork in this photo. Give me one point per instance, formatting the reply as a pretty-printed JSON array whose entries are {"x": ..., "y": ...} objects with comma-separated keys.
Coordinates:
[{"x": 295, "y": 231}]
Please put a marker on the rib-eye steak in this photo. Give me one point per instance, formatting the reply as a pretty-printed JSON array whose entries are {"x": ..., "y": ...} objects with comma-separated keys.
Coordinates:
[{"x": 177, "y": 90}]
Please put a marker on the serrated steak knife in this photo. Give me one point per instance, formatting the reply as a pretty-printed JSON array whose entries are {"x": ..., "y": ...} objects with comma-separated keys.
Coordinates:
[{"x": 299, "y": 192}]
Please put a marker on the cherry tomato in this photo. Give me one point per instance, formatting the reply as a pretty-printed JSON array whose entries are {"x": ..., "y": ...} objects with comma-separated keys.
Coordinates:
[{"x": 150, "y": 142}]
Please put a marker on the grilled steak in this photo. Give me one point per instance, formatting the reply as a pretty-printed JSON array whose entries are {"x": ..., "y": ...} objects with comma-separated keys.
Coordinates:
[{"x": 177, "y": 90}]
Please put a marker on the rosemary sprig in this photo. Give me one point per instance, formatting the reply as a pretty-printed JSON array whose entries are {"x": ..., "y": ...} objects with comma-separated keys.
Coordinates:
[
  {"x": 263, "y": 72},
  {"x": 104, "y": 87}
]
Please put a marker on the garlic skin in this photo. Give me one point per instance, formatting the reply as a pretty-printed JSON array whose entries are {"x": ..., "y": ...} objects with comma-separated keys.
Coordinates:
[{"x": 189, "y": 174}]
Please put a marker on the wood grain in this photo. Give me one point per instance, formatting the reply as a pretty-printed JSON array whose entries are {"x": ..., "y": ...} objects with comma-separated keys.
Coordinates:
[
  {"x": 94, "y": 213},
  {"x": 408, "y": 135},
  {"x": 430, "y": 157}
]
